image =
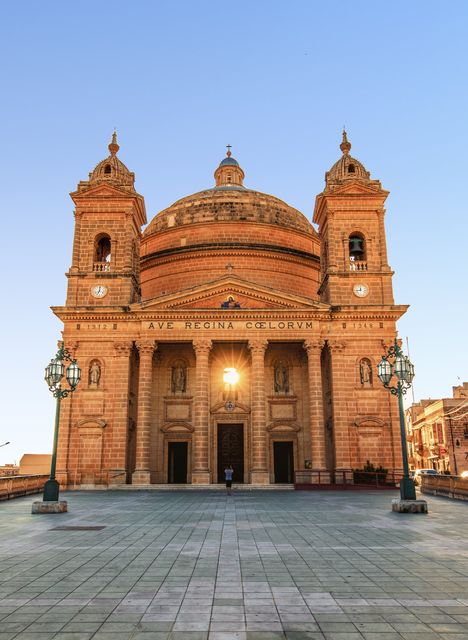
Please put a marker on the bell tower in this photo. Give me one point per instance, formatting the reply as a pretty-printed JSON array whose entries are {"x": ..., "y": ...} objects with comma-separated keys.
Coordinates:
[
  {"x": 109, "y": 214},
  {"x": 350, "y": 214}
]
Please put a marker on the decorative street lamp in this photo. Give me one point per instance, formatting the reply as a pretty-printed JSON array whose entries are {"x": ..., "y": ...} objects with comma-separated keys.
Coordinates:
[
  {"x": 54, "y": 373},
  {"x": 395, "y": 363},
  {"x": 230, "y": 379}
]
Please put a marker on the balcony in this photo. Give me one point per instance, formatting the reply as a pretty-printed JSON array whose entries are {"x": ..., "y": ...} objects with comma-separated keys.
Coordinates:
[{"x": 357, "y": 265}]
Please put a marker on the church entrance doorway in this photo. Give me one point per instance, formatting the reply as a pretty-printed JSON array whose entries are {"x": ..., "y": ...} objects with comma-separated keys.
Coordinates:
[
  {"x": 231, "y": 450},
  {"x": 177, "y": 462},
  {"x": 283, "y": 462}
]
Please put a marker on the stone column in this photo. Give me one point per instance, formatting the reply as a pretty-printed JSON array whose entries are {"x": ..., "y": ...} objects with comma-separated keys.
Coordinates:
[
  {"x": 121, "y": 378},
  {"x": 340, "y": 394},
  {"x": 260, "y": 474},
  {"x": 142, "y": 475},
  {"x": 317, "y": 423},
  {"x": 200, "y": 466}
]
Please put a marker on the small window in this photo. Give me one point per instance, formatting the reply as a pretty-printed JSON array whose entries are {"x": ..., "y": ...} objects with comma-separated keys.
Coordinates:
[
  {"x": 351, "y": 168},
  {"x": 107, "y": 169},
  {"x": 229, "y": 178}
]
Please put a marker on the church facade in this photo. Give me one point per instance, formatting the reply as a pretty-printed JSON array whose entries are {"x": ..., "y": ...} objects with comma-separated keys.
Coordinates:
[{"x": 228, "y": 331}]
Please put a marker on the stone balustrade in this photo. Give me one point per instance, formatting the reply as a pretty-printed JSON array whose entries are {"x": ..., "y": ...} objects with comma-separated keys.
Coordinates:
[
  {"x": 101, "y": 266},
  {"x": 358, "y": 265},
  {"x": 15, "y": 486},
  {"x": 449, "y": 486}
]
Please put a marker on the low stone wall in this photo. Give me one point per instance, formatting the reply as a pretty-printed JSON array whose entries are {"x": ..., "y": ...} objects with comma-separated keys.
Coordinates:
[
  {"x": 15, "y": 486},
  {"x": 449, "y": 486}
]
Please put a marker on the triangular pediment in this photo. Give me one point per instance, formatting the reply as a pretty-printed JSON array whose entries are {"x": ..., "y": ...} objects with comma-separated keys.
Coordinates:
[
  {"x": 358, "y": 188},
  {"x": 103, "y": 190},
  {"x": 218, "y": 295}
]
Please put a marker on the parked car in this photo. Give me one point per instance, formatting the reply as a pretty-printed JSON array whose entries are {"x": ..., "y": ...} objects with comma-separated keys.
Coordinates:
[{"x": 417, "y": 473}]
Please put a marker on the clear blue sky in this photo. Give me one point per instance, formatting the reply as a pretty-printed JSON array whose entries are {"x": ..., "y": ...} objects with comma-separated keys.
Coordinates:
[{"x": 275, "y": 79}]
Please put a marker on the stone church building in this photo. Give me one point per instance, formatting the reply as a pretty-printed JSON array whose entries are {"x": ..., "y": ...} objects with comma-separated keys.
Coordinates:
[{"x": 229, "y": 330}]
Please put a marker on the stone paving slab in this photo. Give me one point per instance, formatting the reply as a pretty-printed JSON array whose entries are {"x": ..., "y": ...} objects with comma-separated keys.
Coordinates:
[{"x": 263, "y": 565}]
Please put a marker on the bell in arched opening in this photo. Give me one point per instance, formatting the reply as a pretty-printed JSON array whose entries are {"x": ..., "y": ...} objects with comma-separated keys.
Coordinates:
[{"x": 356, "y": 247}]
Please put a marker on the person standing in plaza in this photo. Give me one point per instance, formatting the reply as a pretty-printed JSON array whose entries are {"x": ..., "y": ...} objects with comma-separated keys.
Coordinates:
[{"x": 228, "y": 473}]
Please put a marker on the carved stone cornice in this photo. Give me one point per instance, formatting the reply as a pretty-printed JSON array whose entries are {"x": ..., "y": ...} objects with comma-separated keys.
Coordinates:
[
  {"x": 258, "y": 346},
  {"x": 336, "y": 346},
  {"x": 146, "y": 347},
  {"x": 123, "y": 348},
  {"x": 313, "y": 346},
  {"x": 202, "y": 347}
]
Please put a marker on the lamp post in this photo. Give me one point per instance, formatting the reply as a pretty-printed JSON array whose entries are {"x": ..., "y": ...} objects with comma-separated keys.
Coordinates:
[
  {"x": 395, "y": 363},
  {"x": 54, "y": 373},
  {"x": 230, "y": 379}
]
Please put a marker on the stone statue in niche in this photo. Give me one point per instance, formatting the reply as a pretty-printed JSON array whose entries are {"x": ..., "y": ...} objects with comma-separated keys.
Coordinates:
[
  {"x": 281, "y": 378},
  {"x": 94, "y": 375},
  {"x": 365, "y": 372},
  {"x": 178, "y": 378}
]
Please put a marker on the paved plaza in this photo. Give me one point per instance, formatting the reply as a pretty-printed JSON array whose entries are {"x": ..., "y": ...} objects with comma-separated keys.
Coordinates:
[{"x": 257, "y": 565}]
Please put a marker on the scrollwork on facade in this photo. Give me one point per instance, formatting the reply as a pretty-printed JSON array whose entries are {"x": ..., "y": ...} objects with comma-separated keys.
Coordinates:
[
  {"x": 202, "y": 347},
  {"x": 336, "y": 346},
  {"x": 123, "y": 348},
  {"x": 313, "y": 347},
  {"x": 258, "y": 347},
  {"x": 71, "y": 347},
  {"x": 146, "y": 347}
]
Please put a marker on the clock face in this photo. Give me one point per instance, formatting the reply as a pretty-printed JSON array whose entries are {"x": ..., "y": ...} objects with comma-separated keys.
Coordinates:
[
  {"x": 99, "y": 291},
  {"x": 361, "y": 290}
]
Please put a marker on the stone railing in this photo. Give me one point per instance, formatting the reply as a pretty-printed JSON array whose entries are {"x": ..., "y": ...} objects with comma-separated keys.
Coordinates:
[
  {"x": 449, "y": 486},
  {"x": 101, "y": 266},
  {"x": 15, "y": 486},
  {"x": 357, "y": 265}
]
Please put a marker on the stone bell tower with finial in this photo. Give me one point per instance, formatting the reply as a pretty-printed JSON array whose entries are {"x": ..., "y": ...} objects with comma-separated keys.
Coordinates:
[
  {"x": 108, "y": 219},
  {"x": 350, "y": 214}
]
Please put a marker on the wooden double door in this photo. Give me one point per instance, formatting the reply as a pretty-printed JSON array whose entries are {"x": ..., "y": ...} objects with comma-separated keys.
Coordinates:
[{"x": 231, "y": 450}]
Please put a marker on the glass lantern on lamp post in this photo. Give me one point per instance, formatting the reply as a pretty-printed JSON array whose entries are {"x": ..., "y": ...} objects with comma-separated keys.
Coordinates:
[
  {"x": 230, "y": 379},
  {"x": 395, "y": 364},
  {"x": 54, "y": 374}
]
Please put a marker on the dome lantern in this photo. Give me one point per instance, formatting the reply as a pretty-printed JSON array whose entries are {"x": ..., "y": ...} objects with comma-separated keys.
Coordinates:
[
  {"x": 112, "y": 169},
  {"x": 347, "y": 168},
  {"x": 229, "y": 174}
]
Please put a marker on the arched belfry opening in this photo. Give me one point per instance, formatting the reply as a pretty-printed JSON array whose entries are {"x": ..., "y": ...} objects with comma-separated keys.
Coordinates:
[
  {"x": 357, "y": 252},
  {"x": 102, "y": 253},
  {"x": 102, "y": 249}
]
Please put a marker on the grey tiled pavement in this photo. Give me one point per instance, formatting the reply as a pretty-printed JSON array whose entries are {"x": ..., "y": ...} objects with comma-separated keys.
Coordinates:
[{"x": 259, "y": 565}]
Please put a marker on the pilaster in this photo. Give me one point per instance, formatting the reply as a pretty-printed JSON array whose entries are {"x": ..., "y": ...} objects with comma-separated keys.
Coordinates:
[
  {"x": 340, "y": 413},
  {"x": 200, "y": 470},
  {"x": 142, "y": 475},
  {"x": 317, "y": 425},
  {"x": 121, "y": 378},
  {"x": 259, "y": 473}
]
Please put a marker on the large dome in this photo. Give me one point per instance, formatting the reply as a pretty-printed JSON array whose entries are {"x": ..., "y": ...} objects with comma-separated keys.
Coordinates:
[
  {"x": 261, "y": 238},
  {"x": 229, "y": 203}
]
